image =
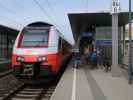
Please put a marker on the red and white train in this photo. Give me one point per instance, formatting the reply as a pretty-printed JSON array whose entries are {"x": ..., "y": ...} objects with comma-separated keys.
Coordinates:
[{"x": 39, "y": 51}]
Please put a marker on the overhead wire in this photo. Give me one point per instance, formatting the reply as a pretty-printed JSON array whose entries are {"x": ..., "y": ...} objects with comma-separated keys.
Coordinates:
[
  {"x": 43, "y": 10},
  {"x": 14, "y": 13},
  {"x": 87, "y": 6},
  {"x": 14, "y": 21},
  {"x": 9, "y": 10},
  {"x": 67, "y": 10},
  {"x": 53, "y": 11},
  {"x": 49, "y": 4},
  {"x": 29, "y": 13},
  {"x": 48, "y": 16}
]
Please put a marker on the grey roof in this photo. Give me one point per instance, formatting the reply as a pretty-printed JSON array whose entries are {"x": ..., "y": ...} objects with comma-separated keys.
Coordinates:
[
  {"x": 7, "y": 30},
  {"x": 80, "y": 21}
]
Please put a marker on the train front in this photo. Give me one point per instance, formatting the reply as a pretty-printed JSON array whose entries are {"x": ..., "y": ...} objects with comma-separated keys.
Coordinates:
[{"x": 35, "y": 52}]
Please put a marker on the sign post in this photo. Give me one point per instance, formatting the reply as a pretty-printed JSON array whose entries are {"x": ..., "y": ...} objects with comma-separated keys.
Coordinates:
[
  {"x": 115, "y": 12},
  {"x": 115, "y": 6}
]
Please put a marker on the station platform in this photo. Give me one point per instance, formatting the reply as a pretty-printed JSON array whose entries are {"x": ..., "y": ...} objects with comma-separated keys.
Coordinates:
[{"x": 86, "y": 84}]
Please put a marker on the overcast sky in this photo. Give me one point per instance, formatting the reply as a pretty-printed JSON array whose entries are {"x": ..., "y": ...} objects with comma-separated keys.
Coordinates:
[{"x": 18, "y": 13}]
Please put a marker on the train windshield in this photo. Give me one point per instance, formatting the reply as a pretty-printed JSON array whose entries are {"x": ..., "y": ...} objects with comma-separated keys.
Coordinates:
[{"x": 35, "y": 38}]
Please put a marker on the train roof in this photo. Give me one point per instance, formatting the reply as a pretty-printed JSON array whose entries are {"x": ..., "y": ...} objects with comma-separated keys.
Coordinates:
[{"x": 39, "y": 24}]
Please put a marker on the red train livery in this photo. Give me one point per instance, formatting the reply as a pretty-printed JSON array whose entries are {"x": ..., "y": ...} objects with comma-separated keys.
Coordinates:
[{"x": 39, "y": 51}]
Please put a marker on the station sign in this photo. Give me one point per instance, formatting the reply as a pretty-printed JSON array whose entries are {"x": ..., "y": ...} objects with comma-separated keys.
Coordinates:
[
  {"x": 87, "y": 34},
  {"x": 103, "y": 42},
  {"x": 115, "y": 6}
]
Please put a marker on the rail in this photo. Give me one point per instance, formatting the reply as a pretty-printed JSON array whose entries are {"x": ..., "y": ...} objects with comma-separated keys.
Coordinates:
[{"x": 5, "y": 73}]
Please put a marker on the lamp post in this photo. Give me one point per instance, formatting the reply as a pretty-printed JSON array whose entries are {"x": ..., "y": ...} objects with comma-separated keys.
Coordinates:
[{"x": 130, "y": 46}]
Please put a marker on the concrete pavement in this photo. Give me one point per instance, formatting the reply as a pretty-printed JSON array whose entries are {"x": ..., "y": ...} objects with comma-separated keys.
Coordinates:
[
  {"x": 86, "y": 84},
  {"x": 114, "y": 88}
]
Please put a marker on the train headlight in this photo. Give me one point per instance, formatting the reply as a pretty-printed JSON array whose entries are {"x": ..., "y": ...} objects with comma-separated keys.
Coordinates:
[
  {"x": 42, "y": 58},
  {"x": 20, "y": 59}
]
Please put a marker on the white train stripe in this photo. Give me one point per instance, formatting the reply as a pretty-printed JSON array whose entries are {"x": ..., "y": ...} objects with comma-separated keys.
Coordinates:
[{"x": 35, "y": 51}]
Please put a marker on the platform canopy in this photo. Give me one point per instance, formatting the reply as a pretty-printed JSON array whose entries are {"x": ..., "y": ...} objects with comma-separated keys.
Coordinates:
[
  {"x": 6, "y": 30},
  {"x": 81, "y": 22}
]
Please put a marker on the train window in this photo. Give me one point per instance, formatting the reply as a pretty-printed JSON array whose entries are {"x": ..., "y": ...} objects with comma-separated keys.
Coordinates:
[
  {"x": 35, "y": 38},
  {"x": 60, "y": 44}
]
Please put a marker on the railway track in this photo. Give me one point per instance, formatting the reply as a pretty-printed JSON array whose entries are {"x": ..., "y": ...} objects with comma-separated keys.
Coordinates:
[
  {"x": 34, "y": 92},
  {"x": 31, "y": 92},
  {"x": 5, "y": 73}
]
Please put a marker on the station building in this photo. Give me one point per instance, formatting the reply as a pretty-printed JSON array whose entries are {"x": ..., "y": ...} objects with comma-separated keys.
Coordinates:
[{"x": 7, "y": 38}]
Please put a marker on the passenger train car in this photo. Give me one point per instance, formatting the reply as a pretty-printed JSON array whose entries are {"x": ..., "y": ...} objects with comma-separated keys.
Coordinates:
[{"x": 39, "y": 51}]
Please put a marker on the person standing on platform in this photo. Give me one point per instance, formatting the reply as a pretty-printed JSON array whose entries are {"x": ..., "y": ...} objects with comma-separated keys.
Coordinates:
[
  {"x": 99, "y": 58},
  {"x": 94, "y": 59},
  {"x": 86, "y": 51}
]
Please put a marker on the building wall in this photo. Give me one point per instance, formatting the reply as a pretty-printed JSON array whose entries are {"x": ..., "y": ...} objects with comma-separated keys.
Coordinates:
[
  {"x": 7, "y": 37},
  {"x": 3, "y": 42}
]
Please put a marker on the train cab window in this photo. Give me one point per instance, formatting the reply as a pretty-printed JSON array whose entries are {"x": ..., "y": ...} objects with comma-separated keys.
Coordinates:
[
  {"x": 35, "y": 38},
  {"x": 60, "y": 44}
]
